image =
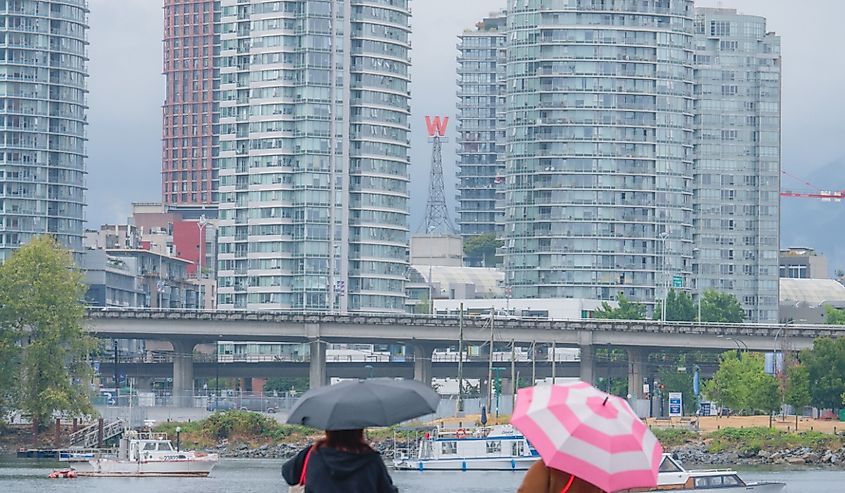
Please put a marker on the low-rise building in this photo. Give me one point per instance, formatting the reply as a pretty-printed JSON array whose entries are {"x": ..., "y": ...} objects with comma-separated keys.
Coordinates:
[
  {"x": 111, "y": 281},
  {"x": 805, "y": 301},
  {"x": 802, "y": 263},
  {"x": 163, "y": 278}
]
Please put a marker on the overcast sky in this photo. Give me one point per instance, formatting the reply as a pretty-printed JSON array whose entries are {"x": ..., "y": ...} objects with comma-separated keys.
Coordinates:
[{"x": 127, "y": 90}]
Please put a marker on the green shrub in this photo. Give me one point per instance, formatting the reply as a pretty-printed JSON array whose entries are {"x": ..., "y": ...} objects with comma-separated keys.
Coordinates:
[
  {"x": 756, "y": 439},
  {"x": 674, "y": 437},
  {"x": 246, "y": 425}
]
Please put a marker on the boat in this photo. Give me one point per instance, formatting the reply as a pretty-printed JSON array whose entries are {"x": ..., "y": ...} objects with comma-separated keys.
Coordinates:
[
  {"x": 149, "y": 454},
  {"x": 673, "y": 477},
  {"x": 495, "y": 448},
  {"x": 63, "y": 474}
]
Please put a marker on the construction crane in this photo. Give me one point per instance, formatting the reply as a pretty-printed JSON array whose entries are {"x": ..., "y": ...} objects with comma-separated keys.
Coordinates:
[{"x": 816, "y": 193}]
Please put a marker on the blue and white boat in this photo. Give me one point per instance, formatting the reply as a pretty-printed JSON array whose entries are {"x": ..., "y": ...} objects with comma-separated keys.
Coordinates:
[{"x": 496, "y": 448}]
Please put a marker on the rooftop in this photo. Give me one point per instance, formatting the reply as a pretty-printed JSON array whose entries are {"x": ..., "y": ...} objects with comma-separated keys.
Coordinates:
[{"x": 811, "y": 291}]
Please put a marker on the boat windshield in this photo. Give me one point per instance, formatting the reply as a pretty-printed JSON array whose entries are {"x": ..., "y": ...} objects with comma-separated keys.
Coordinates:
[
  {"x": 669, "y": 466},
  {"x": 708, "y": 482},
  {"x": 165, "y": 446}
]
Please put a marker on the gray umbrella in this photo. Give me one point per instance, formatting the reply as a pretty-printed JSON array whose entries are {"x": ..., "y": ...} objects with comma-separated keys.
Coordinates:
[{"x": 356, "y": 404}]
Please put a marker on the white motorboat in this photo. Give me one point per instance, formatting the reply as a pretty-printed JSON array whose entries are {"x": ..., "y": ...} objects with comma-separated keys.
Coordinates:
[
  {"x": 496, "y": 448},
  {"x": 149, "y": 454},
  {"x": 673, "y": 477}
]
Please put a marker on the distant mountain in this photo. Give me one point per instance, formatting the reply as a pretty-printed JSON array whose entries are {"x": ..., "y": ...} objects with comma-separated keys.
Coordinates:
[{"x": 814, "y": 223}]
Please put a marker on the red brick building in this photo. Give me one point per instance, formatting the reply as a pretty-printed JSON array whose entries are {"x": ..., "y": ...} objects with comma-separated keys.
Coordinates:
[{"x": 188, "y": 177}]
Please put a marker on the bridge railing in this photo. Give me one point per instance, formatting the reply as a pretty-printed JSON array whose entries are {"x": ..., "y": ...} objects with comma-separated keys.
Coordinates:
[
  {"x": 762, "y": 332},
  {"x": 210, "y": 401}
]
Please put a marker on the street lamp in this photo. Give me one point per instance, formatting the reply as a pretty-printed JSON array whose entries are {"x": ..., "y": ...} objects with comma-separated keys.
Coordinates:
[
  {"x": 663, "y": 279},
  {"x": 160, "y": 284},
  {"x": 739, "y": 349},
  {"x": 217, "y": 375},
  {"x": 201, "y": 226},
  {"x": 178, "y": 437}
]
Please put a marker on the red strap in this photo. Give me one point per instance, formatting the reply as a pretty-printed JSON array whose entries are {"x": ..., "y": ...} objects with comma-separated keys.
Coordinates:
[
  {"x": 305, "y": 467},
  {"x": 569, "y": 484}
]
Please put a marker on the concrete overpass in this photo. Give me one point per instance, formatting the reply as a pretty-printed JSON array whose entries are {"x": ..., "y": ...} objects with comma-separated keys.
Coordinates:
[{"x": 185, "y": 329}]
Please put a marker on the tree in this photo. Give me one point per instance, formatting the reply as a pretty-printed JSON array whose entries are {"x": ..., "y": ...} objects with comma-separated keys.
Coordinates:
[
  {"x": 834, "y": 316},
  {"x": 481, "y": 249},
  {"x": 741, "y": 383},
  {"x": 285, "y": 384},
  {"x": 797, "y": 392},
  {"x": 825, "y": 364},
  {"x": 41, "y": 308},
  {"x": 627, "y": 310},
  {"x": 677, "y": 381},
  {"x": 721, "y": 308},
  {"x": 679, "y": 307}
]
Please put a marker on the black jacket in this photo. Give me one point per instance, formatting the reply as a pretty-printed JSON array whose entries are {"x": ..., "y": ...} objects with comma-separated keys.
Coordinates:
[{"x": 333, "y": 471}]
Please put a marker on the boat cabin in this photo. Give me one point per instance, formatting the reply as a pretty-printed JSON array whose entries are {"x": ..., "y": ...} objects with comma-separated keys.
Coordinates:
[
  {"x": 492, "y": 442},
  {"x": 148, "y": 446},
  {"x": 672, "y": 476}
]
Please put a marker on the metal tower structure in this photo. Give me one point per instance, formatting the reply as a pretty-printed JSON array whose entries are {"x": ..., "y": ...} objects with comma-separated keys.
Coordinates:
[{"x": 436, "y": 211}]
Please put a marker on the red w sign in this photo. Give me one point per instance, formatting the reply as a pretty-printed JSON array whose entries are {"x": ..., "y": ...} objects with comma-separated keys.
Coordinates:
[{"x": 436, "y": 125}]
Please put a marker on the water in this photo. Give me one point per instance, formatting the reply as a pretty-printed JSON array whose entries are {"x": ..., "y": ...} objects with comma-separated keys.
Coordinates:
[{"x": 260, "y": 476}]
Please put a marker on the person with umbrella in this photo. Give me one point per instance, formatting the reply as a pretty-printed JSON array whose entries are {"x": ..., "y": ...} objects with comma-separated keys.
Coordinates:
[
  {"x": 343, "y": 461},
  {"x": 589, "y": 441}
]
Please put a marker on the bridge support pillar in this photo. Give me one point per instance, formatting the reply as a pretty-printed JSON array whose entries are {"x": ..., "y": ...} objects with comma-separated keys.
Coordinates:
[
  {"x": 183, "y": 372},
  {"x": 636, "y": 371},
  {"x": 422, "y": 362},
  {"x": 587, "y": 371},
  {"x": 317, "y": 375}
]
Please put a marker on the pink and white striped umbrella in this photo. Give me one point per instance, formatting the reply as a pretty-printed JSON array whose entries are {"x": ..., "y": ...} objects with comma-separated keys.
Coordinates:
[{"x": 583, "y": 431}]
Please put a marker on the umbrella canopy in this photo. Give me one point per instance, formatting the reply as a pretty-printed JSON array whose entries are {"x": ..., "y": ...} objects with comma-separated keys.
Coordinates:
[
  {"x": 581, "y": 430},
  {"x": 356, "y": 404}
]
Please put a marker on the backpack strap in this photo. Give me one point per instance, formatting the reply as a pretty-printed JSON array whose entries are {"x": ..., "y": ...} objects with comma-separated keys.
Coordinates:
[
  {"x": 305, "y": 466},
  {"x": 568, "y": 484}
]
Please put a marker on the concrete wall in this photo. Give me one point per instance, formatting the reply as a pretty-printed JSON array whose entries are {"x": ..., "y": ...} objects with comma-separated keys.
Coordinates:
[{"x": 437, "y": 250}]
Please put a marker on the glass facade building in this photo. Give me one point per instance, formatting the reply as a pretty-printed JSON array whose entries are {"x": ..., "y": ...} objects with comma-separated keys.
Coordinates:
[
  {"x": 313, "y": 154},
  {"x": 188, "y": 140},
  {"x": 481, "y": 127},
  {"x": 43, "y": 72},
  {"x": 599, "y": 161},
  {"x": 737, "y": 159}
]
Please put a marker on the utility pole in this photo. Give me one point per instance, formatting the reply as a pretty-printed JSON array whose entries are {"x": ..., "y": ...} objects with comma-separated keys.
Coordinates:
[
  {"x": 513, "y": 375},
  {"x": 490, "y": 364},
  {"x": 116, "y": 373},
  {"x": 533, "y": 363},
  {"x": 554, "y": 355},
  {"x": 460, "y": 408}
]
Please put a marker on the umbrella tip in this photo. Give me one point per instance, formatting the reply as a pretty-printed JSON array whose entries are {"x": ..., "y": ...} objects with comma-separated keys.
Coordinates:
[{"x": 605, "y": 400}]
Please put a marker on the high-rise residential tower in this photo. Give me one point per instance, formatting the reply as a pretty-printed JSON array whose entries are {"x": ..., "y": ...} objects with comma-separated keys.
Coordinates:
[
  {"x": 737, "y": 159},
  {"x": 599, "y": 148},
  {"x": 314, "y": 137},
  {"x": 43, "y": 72},
  {"x": 481, "y": 126},
  {"x": 188, "y": 175}
]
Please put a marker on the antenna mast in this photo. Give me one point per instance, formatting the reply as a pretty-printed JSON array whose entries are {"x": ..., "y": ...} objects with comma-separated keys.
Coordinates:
[{"x": 436, "y": 211}]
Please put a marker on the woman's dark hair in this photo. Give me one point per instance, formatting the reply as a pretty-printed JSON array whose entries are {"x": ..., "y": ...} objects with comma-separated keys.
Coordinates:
[{"x": 346, "y": 441}]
